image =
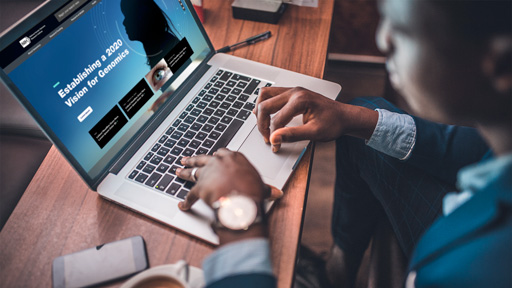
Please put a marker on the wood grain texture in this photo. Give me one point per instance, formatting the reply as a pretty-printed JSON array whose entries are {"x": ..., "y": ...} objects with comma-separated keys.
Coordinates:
[{"x": 58, "y": 214}]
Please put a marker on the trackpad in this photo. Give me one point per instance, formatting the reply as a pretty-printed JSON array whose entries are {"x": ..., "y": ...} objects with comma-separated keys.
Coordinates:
[{"x": 269, "y": 164}]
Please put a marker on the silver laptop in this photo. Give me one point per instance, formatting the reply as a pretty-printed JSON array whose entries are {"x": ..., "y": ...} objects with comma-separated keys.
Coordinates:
[{"x": 125, "y": 88}]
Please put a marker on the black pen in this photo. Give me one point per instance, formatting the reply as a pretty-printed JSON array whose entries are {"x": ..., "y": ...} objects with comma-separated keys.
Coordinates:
[{"x": 246, "y": 42}]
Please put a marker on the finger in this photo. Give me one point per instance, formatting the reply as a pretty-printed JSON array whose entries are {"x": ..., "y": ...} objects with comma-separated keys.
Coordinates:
[
  {"x": 290, "y": 134},
  {"x": 186, "y": 173},
  {"x": 192, "y": 197},
  {"x": 266, "y": 93},
  {"x": 196, "y": 161},
  {"x": 222, "y": 152},
  {"x": 267, "y": 108}
]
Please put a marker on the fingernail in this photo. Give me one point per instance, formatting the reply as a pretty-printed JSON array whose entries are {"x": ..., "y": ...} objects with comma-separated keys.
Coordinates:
[
  {"x": 178, "y": 171},
  {"x": 276, "y": 147},
  {"x": 266, "y": 140},
  {"x": 180, "y": 205},
  {"x": 184, "y": 160},
  {"x": 254, "y": 111}
]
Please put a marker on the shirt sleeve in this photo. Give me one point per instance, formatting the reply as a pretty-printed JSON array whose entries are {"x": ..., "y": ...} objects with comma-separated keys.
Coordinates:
[
  {"x": 242, "y": 257},
  {"x": 394, "y": 135}
]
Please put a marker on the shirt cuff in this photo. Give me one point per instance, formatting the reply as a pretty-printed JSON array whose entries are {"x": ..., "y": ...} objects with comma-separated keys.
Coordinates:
[
  {"x": 394, "y": 135},
  {"x": 242, "y": 257}
]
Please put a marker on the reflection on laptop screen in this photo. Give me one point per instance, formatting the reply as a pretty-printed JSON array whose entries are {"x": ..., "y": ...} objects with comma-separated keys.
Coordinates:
[{"x": 95, "y": 70}]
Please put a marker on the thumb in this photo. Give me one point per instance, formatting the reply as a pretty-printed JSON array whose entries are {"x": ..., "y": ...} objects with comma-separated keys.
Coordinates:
[{"x": 289, "y": 134}]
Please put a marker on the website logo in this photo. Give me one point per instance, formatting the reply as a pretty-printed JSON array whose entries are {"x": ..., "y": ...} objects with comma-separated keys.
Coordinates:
[{"x": 25, "y": 42}]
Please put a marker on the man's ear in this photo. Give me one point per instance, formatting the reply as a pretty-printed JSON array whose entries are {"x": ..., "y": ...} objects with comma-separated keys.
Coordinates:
[{"x": 497, "y": 63}]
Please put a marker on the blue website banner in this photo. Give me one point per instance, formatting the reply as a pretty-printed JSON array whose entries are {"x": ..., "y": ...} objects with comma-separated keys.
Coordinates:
[{"x": 90, "y": 69}]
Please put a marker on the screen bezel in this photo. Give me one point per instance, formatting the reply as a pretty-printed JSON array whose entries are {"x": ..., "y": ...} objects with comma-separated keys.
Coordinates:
[{"x": 49, "y": 8}]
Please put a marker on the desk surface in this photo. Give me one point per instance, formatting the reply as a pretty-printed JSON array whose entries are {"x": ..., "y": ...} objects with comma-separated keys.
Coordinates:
[{"x": 58, "y": 214}]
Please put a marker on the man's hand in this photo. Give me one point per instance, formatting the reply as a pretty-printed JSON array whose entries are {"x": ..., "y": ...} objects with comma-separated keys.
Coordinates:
[
  {"x": 323, "y": 119},
  {"x": 220, "y": 175}
]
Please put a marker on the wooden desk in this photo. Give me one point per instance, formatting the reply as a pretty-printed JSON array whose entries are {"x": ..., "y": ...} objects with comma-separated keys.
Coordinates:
[{"x": 58, "y": 214}]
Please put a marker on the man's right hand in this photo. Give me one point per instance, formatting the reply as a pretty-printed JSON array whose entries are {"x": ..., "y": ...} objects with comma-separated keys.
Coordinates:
[{"x": 323, "y": 119}]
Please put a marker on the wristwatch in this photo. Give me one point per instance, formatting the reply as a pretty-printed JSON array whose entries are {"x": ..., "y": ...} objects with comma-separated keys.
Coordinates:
[{"x": 236, "y": 212}]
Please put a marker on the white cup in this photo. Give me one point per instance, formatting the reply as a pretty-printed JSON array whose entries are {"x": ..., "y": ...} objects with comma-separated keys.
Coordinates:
[{"x": 165, "y": 276}]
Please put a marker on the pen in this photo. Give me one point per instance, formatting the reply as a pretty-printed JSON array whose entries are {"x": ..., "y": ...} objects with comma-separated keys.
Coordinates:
[{"x": 248, "y": 41}]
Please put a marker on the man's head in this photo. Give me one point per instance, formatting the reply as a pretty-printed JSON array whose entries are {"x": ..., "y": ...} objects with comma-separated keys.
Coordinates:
[{"x": 451, "y": 59}]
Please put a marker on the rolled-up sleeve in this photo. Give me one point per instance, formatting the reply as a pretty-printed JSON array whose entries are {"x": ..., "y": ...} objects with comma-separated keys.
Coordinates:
[
  {"x": 243, "y": 257},
  {"x": 394, "y": 135}
]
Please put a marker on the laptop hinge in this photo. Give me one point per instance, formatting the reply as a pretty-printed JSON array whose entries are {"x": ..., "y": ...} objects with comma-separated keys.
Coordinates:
[{"x": 159, "y": 117}]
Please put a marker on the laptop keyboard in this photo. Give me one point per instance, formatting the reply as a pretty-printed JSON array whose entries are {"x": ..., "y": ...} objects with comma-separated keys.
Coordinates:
[{"x": 208, "y": 123}]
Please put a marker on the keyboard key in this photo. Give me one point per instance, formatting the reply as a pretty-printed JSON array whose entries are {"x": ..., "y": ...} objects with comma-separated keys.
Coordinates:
[
  {"x": 141, "y": 178},
  {"x": 141, "y": 165},
  {"x": 156, "y": 147},
  {"x": 213, "y": 120},
  {"x": 218, "y": 84},
  {"x": 202, "y": 151},
  {"x": 183, "y": 142},
  {"x": 173, "y": 189},
  {"x": 243, "y": 98},
  {"x": 133, "y": 174},
  {"x": 227, "y": 119},
  {"x": 241, "y": 85},
  {"x": 221, "y": 127},
  {"x": 156, "y": 160},
  {"x": 232, "y": 112},
  {"x": 190, "y": 134},
  {"x": 236, "y": 91},
  {"x": 207, "y": 128},
  {"x": 219, "y": 113},
  {"x": 195, "y": 112},
  {"x": 195, "y": 100},
  {"x": 225, "y": 105},
  {"x": 230, "y": 84},
  {"x": 202, "y": 105},
  {"x": 162, "y": 139},
  {"x": 164, "y": 183},
  {"x": 189, "y": 185},
  {"x": 201, "y": 136},
  {"x": 214, "y": 135},
  {"x": 176, "y": 151},
  {"x": 194, "y": 144},
  {"x": 169, "y": 159},
  {"x": 252, "y": 86},
  {"x": 169, "y": 131},
  {"x": 243, "y": 114},
  {"x": 208, "y": 98},
  {"x": 176, "y": 135},
  {"x": 213, "y": 91},
  {"x": 225, "y": 76},
  {"x": 179, "y": 180},
  {"x": 149, "y": 169},
  {"x": 202, "y": 119},
  {"x": 227, "y": 135},
  {"x": 153, "y": 179},
  {"x": 148, "y": 156},
  {"x": 183, "y": 127},
  {"x": 173, "y": 169},
  {"x": 214, "y": 78},
  {"x": 241, "y": 77},
  {"x": 163, "y": 151},
  {"x": 208, "y": 143},
  {"x": 220, "y": 97},
  {"x": 170, "y": 143},
  {"x": 189, "y": 120},
  {"x": 196, "y": 127},
  {"x": 182, "y": 194},
  {"x": 249, "y": 106},
  {"x": 214, "y": 104},
  {"x": 231, "y": 98},
  {"x": 238, "y": 105},
  {"x": 162, "y": 168},
  {"x": 176, "y": 123},
  {"x": 208, "y": 111},
  {"x": 225, "y": 90},
  {"x": 183, "y": 115},
  {"x": 208, "y": 86},
  {"x": 188, "y": 152},
  {"x": 202, "y": 93},
  {"x": 268, "y": 84},
  {"x": 219, "y": 72}
]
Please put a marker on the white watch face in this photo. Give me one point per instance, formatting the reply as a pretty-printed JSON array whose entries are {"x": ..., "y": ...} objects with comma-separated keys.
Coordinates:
[{"x": 237, "y": 212}]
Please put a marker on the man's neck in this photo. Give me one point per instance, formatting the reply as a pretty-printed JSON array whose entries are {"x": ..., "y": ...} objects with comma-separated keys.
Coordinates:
[{"x": 498, "y": 136}]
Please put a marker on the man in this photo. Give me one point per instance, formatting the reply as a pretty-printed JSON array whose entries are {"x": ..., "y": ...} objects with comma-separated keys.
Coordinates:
[{"x": 452, "y": 61}]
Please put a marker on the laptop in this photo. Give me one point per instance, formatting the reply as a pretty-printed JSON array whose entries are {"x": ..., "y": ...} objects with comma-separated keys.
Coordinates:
[{"x": 125, "y": 88}]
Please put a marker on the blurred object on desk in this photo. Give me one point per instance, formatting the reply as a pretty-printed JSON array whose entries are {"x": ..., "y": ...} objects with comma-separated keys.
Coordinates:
[
  {"x": 267, "y": 11},
  {"x": 198, "y": 5}
]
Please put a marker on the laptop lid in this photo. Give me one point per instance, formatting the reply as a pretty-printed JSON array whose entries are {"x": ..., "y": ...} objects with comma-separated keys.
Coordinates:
[{"x": 96, "y": 74}]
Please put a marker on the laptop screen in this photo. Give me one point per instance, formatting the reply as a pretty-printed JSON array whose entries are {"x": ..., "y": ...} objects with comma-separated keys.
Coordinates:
[{"x": 95, "y": 71}]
